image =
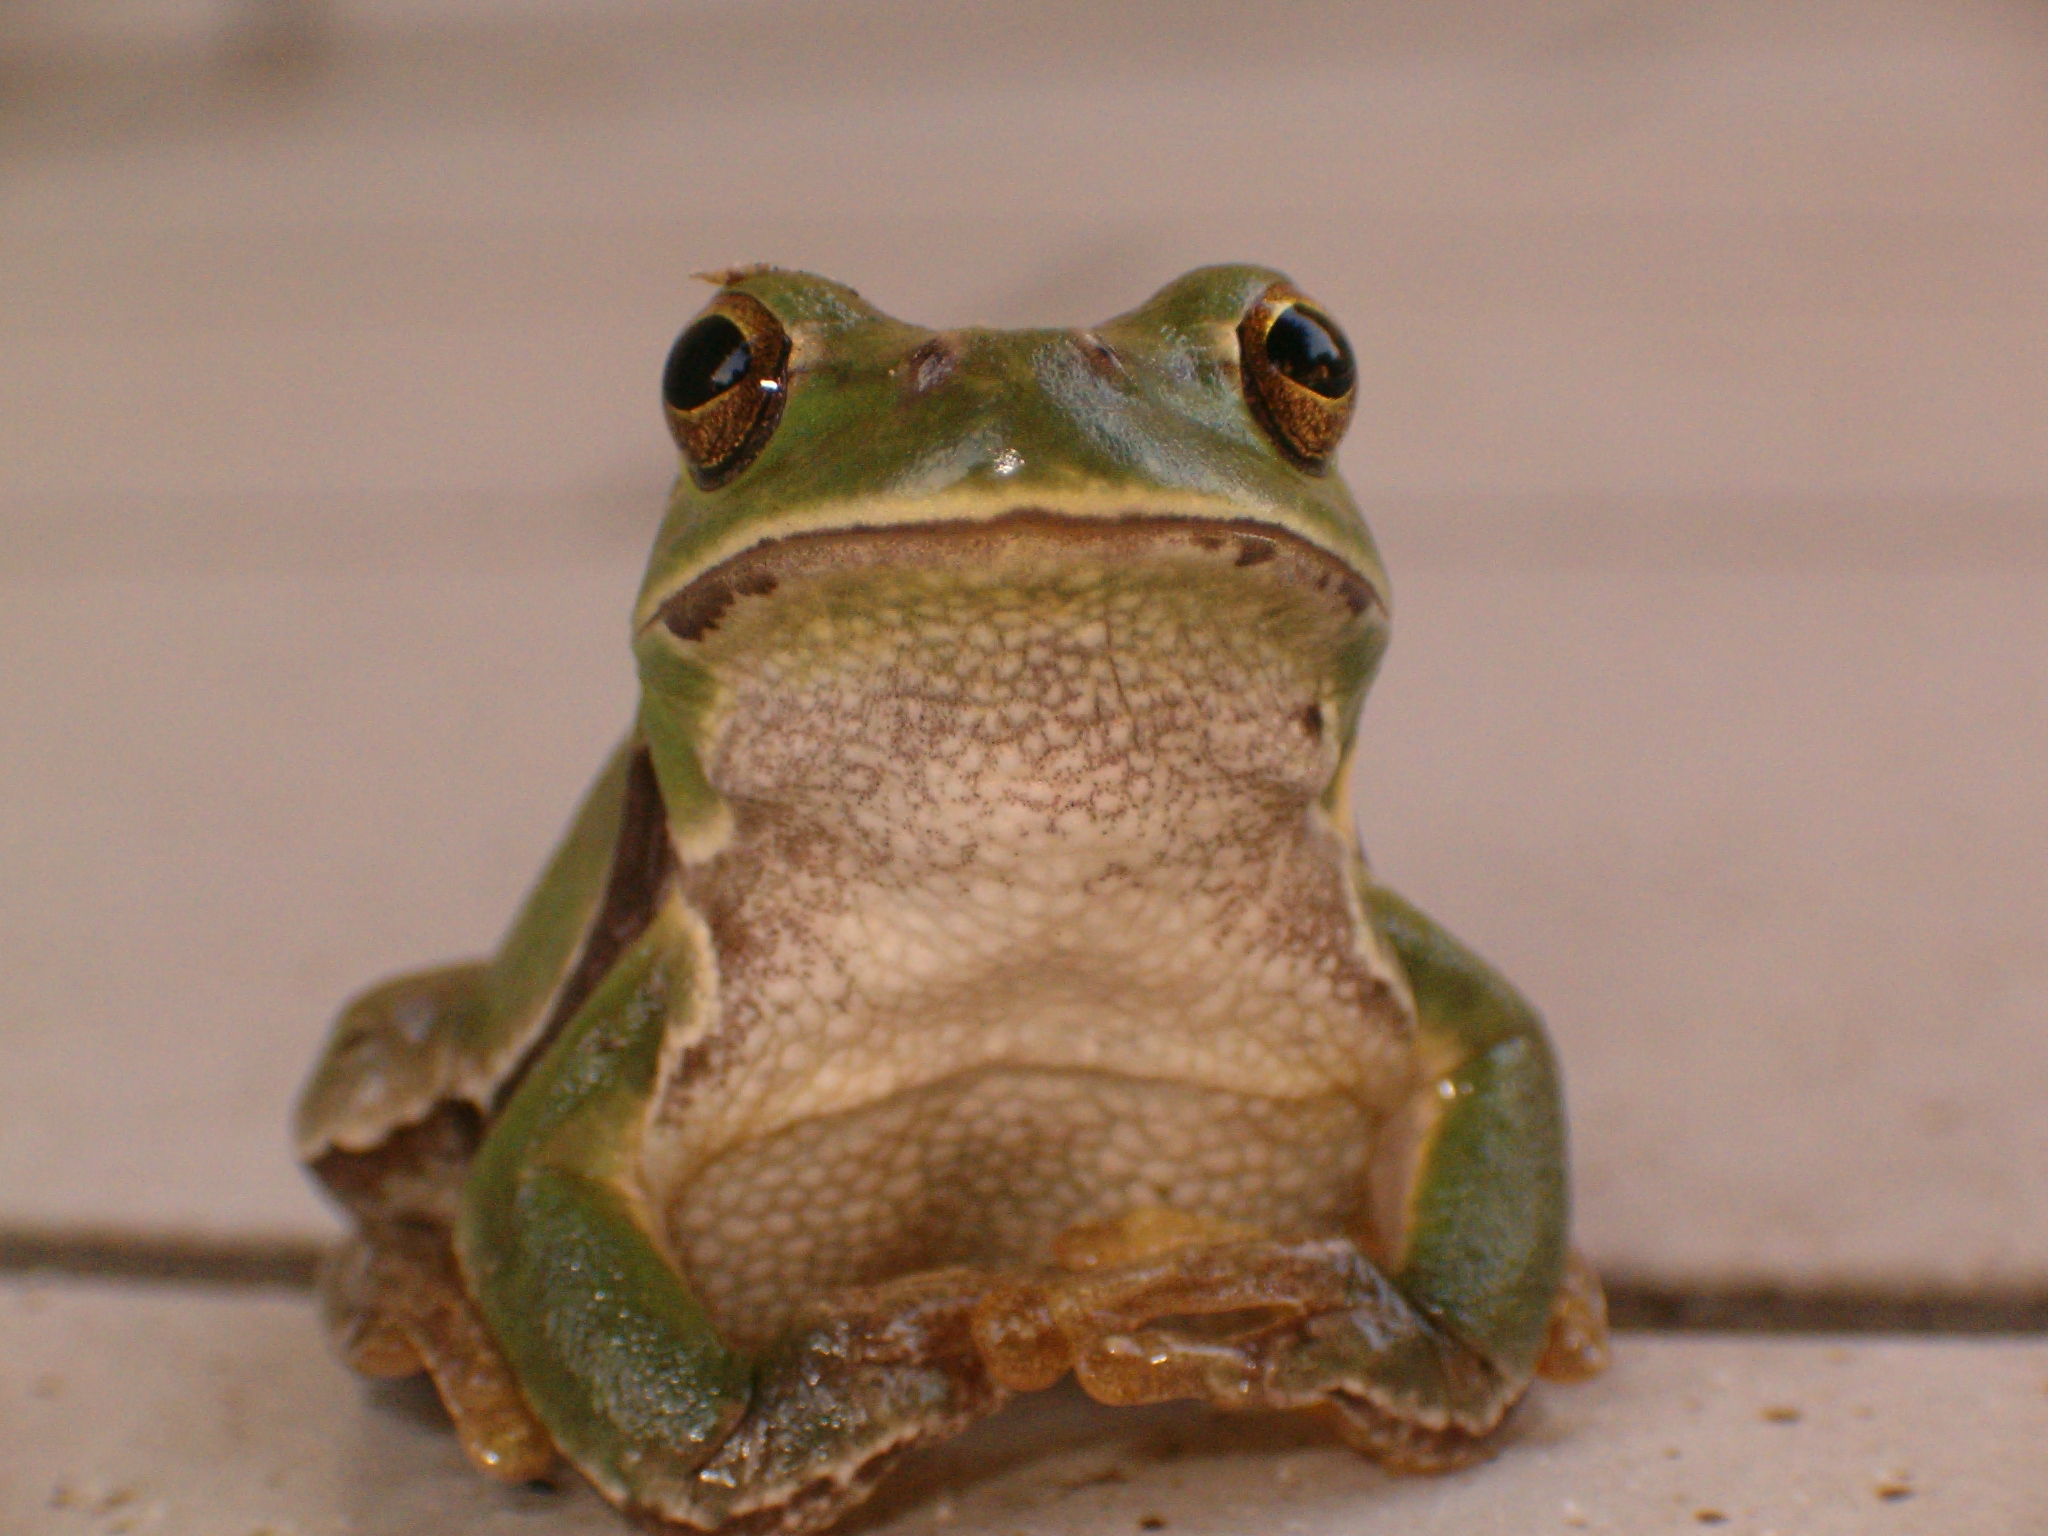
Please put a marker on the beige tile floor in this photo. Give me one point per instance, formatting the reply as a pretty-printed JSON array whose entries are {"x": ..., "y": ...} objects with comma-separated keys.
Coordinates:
[
  {"x": 1707, "y": 435},
  {"x": 164, "y": 1412}
]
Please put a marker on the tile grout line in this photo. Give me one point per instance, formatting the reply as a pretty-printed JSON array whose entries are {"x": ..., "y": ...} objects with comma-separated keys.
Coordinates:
[
  {"x": 89, "y": 1253},
  {"x": 1645, "y": 1305},
  {"x": 1635, "y": 1303}
]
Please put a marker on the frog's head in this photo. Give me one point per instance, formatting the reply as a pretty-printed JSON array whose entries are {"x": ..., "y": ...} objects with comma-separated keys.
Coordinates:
[{"x": 816, "y": 430}]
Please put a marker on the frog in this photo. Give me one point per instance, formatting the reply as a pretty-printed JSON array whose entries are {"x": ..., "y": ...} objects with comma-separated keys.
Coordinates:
[{"x": 966, "y": 972}]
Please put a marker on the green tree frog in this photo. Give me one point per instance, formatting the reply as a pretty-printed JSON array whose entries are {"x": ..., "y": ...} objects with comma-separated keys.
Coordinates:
[{"x": 965, "y": 973}]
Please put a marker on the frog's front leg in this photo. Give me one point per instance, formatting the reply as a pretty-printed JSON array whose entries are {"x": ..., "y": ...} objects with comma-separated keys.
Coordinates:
[
  {"x": 1421, "y": 1355},
  {"x": 617, "y": 1355},
  {"x": 1471, "y": 1210},
  {"x": 856, "y": 1382},
  {"x": 395, "y": 1303},
  {"x": 1258, "y": 1324}
]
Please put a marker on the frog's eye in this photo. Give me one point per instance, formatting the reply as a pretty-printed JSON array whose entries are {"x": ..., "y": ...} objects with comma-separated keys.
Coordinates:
[
  {"x": 724, "y": 385},
  {"x": 1300, "y": 377}
]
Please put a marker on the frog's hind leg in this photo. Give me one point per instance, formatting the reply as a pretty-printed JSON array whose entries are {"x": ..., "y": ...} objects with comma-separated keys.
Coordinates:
[
  {"x": 1576, "y": 1347},
  {"x": 394, "y": 1302},
  {"x": 1472, "y": 1211},
  {"x": 392, "y": 1296}
]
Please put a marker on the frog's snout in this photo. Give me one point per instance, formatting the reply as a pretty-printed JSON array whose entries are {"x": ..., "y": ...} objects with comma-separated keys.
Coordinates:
[{"x": 940, "y": 358}]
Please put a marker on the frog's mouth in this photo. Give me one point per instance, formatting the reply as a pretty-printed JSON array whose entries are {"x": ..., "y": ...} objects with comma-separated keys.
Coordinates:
[{"x": 1034, "y": 536}]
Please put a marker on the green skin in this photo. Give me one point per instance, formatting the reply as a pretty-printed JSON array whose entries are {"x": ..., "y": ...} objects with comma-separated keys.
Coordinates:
[{"x": 598, "y": 1335}]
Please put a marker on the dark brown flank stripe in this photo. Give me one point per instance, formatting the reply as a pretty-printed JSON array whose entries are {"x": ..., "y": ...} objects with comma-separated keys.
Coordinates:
[{"x": 643, "y": 863}]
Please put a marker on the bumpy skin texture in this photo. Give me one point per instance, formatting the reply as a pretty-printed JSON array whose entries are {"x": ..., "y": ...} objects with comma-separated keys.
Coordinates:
[{"x": 965, "y": 972}]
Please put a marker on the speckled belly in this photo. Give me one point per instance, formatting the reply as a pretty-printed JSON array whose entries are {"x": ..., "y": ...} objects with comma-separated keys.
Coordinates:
[{"x": 1032, "y": 915}]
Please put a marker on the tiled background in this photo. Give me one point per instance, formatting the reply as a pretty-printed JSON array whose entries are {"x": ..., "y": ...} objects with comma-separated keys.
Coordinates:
[{"x": 1705, "y": 430}]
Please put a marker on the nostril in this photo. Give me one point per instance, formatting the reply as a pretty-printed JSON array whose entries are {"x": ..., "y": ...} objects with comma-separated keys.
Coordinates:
[{"x": 1100, "y": 356}]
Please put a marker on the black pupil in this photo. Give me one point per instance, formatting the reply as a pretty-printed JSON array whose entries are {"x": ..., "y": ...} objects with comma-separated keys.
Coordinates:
[
  {"x": 707, "y": 360},
  {"x": 1306, "y": 348}
]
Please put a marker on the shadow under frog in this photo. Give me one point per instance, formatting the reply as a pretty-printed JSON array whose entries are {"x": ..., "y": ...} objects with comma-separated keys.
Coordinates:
[{"x": 965, "y": 974}]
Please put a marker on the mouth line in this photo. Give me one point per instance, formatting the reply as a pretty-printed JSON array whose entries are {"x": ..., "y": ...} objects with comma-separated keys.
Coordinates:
[{"x": 1281, "y": 555}]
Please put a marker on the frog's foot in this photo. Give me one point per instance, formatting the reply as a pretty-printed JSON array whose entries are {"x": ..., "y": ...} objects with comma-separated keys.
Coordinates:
[
  {"x": 856, "y": 1383},
  {"x": 395, "y": 1304},
  {"x": 1256, "y": 1324},
  {"x": 1575, "y": 1348}
]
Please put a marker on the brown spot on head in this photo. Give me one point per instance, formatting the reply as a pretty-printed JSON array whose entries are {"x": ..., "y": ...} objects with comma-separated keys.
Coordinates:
[
  {"x": 931, "y": 364},
  {"x": 1312, "y": 722},
  {"x": 1254, "y": 551},
  {"x": 725, "y": 277}
]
